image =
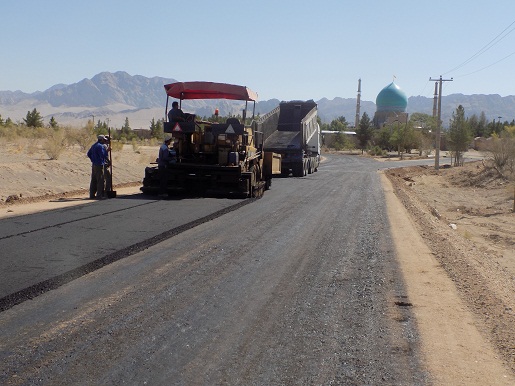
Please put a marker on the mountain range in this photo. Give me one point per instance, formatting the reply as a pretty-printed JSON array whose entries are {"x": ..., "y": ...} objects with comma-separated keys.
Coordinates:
[{"x": 116, "y": 96}]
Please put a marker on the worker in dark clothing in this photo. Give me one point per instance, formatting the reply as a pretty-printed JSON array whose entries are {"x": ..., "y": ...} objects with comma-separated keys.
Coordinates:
[
  {"x": 177, "y": 115},
  {"x": 107, "y": 167},
  {"x": 99, "y": 158},
  {"x": 162, "y": 162}
]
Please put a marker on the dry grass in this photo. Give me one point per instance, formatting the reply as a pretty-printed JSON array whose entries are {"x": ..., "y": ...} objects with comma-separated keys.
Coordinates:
[
  {"x": 116, "y": 146},
  {"x": 21, "y": 139},
  {"x": 56, "y": 143}
]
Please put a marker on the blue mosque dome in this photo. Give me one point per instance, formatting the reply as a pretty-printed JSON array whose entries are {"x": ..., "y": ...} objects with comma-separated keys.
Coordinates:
[{"x": 391, "y": 98}]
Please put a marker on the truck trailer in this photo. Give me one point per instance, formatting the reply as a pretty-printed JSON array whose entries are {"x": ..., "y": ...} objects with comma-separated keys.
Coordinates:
[
  {"x": 292, "y": 131},
  {"x": 213, "y": 157}
]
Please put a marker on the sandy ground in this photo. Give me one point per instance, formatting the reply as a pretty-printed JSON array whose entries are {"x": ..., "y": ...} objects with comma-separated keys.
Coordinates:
[
  {"x": 459, "y": 266},
  {"x": 453, "y": 229},
  {"x": 29, "y": 181}
]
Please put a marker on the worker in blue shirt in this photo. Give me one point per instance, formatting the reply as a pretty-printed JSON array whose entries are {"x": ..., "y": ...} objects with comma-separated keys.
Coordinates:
[{"x": 97, "y": 153}]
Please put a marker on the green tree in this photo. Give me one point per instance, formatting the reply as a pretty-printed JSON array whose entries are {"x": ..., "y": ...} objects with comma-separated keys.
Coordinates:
[
  {"x": 126, "y": 130},
  {"x": 1, "y": 120},
  {"x": 101, "y": 128},
  {"x": 342, "y": 142},
  {"x": 459, "y": 135},
  {"x": 53, "y": 123},
  {"x": 473, "y": 122},
  {"x": 156, "y": 129},
  {"x": 33, "y": 119},
  {"x": 364, "y": 132},
  {"x": 339, "y": 124},
  {"x": 382, "y": 138},
  {"x": 478, "y": 125},
  {"x": 397, "y": 138},
  {"x": 411, "y": 138},
  {"x": 495, "y": 127},
  {"x": 402, "y": 137}
]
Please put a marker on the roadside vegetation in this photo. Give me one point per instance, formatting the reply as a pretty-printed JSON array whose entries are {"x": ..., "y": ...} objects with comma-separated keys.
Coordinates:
[
  {"x": 496, "y": 139},
  {"x": 34, "y": 134}
]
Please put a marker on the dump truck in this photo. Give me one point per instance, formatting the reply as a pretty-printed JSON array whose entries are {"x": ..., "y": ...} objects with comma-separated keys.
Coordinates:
[
  {"x": 292, "y": 131},
  {"x": 213, "y": 158}
]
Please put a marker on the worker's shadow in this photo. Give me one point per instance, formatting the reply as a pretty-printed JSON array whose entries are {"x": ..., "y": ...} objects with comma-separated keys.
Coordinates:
[{"x": 69, "y": 199}]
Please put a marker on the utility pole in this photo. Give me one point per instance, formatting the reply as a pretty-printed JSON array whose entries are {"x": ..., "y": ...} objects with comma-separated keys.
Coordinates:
[{"x": 439, "y": 121}]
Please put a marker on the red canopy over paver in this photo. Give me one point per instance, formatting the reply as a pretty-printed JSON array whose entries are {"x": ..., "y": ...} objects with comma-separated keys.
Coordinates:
[{"x": 209, "y": 90}]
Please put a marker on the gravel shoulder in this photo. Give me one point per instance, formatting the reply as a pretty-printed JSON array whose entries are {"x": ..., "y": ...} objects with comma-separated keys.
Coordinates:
[{"x": 464, "y": 220}]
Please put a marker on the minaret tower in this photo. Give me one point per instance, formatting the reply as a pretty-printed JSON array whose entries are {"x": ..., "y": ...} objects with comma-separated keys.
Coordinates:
[{"x": 358, "y": 101}]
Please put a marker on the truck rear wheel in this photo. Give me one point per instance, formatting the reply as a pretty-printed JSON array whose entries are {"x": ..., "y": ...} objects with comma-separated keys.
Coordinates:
[{"x": 298, "y": 170}]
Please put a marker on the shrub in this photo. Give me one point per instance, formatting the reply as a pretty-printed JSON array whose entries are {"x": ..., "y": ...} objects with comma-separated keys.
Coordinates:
[
  {"x": 153, "y": 142},
  {"x": 135, "y": 146},
  {"x": 83, "y": 137},
  {"x": 502, "y": 153},
  {"x": 377, "y": 151},
  {"x": 55, "y": 144},
  {"x": 116, "y": 145},
  {"x": 32, "y": 147},
  {"x": 7, "y": 133}
]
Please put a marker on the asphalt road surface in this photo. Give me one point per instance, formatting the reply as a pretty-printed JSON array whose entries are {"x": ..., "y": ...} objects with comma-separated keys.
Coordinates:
[{"x": 299, "y": 287}]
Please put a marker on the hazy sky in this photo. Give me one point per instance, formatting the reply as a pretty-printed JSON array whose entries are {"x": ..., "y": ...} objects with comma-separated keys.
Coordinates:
[{"x": 279, "y": 48}]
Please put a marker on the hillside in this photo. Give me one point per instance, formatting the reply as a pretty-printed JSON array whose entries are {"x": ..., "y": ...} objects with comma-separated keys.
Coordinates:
[{"x": 118, "y": 95}]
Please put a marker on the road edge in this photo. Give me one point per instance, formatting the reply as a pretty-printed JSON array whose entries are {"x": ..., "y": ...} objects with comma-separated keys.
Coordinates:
[{"x": 454, "y": 351}]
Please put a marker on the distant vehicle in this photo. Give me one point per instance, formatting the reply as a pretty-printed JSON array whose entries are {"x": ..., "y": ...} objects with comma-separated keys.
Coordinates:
[
  {"x": 214, "y": 158},
  {"x": 292, "y": 130}
]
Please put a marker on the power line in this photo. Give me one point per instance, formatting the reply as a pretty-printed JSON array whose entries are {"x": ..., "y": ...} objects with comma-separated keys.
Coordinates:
[
  {"x": 489, "y": 45},
  {"x": 484, "y": 68}
]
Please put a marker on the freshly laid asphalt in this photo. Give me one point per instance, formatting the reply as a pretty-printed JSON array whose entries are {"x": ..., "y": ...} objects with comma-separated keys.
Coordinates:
[{"x": 44, "y": 250}]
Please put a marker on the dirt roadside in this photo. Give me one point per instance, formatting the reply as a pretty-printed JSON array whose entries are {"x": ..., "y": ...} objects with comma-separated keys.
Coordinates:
[{"x": 454, "y": 234}]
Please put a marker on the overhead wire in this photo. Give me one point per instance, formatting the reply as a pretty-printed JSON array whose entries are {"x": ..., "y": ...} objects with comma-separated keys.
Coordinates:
[
  {"x": 497, "y": 39},
  {"x": 485, "y": 48},
  {"x": 484, "y": 68}
]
